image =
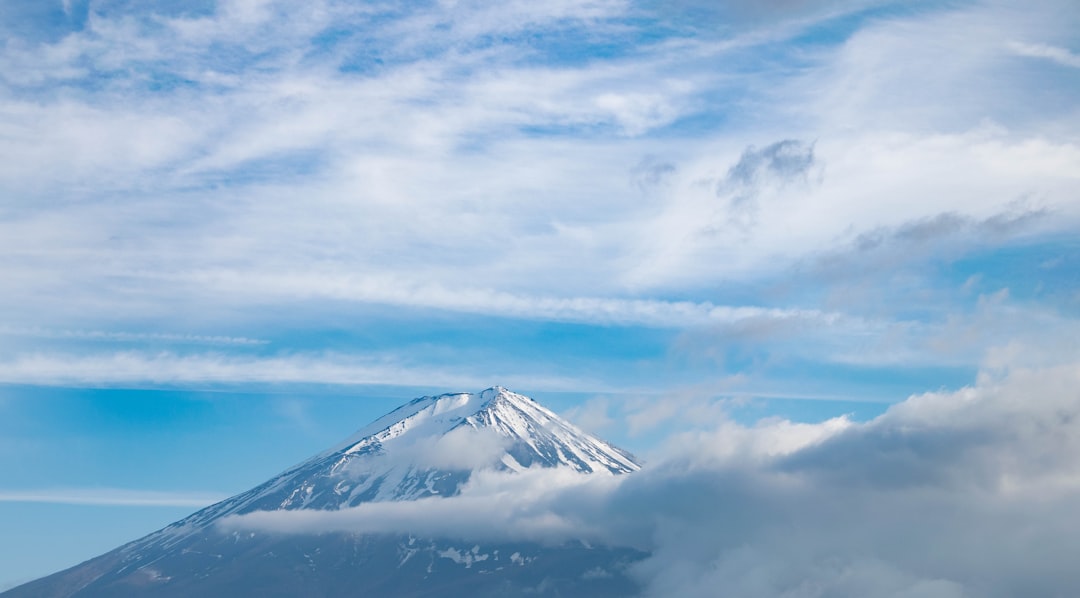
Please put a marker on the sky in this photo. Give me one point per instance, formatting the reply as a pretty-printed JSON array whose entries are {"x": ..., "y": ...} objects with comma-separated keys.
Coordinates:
[{"x": 231, "y": 233}]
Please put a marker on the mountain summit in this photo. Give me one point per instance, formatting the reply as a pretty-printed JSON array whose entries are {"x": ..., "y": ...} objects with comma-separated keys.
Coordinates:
[
  {"x": 427, "y": 448},
  {"x": 536, "y": 436}
]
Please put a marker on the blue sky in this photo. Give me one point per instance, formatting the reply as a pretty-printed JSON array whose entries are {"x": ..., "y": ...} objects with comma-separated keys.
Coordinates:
[{"x": 233, "y": 232}]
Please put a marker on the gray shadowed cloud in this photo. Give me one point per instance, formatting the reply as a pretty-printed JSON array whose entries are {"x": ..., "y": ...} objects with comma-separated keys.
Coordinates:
[
  {"x": 650, "y": 172},
  {"x": 773, "y": 166},
  {"x": 874, "y": 257},
  {"x": 782, "y": 161},
  {"x": 946, "y": 225},
  {"x": 914, "y": 503}
]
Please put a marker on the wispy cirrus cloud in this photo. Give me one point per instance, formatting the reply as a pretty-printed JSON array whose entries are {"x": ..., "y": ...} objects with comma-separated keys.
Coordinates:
[
  {"x": 120, "y": 336},
  {"x": 396, "y": 290},
  {"x": 1062, "y": 56},
  {"x": 445, "y": 160},
  {"x": 139, "y": 367},
  {"x": 520, "y": 201},
  {"x": 109, "y": 497}
]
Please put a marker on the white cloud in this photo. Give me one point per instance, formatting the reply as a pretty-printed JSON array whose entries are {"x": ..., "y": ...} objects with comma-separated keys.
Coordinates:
[
  {"x": 299, "y": 178},
  {"x": 496, "y": 506},
  {"x": 871, "y": 179},
  {"x": 397, "y": 290},
  {"x": 120, "y": 336},
  {"x": 110, "y": 497},
  {"x": 463, "y": 448},
  {"x": 135, "y": 367},
  {"x": 1062, "y": 56}
]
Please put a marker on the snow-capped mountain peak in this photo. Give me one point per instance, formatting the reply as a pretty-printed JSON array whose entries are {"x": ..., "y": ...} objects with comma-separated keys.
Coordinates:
[
  {"x": 533, "y": 435},
  {"x": 429, "y": 447}
]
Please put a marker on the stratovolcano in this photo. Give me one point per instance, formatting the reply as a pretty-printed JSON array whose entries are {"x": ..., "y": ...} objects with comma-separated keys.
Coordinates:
[{"x": 428, "y": 448}]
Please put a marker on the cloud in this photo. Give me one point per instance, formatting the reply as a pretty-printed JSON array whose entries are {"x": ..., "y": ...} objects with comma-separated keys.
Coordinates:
[
  {"x": 945, "y": 326},
  {"x": 892, "y": 268},
  {"x": 784, "y": 161},
  {"x": 215, "y": 169},
  {"x": 908, "y": 502},
  {"x": 877, "y": 180},
  {"x": 120, "y": 336},
  {"x": 913, "y": 503},
  {"x": 712, "y": 16},
  {"x": 396, "y": 290},
  {"x": 650, "y": 172},
  {"x": 946, "y": 226},
  {"x": 462, "y": 448},
  {"x": 496, "y": 506},
  {"x": 110, "y": 497},
  {"x": 903, "y": 503},
  {"x": 1062, "y": 56},
  {"x": 137, "y": 367},
  {"x": 889, "y": 73},
  {"x": 519, "y": 148},
  {"x": 758, "y": 170}
]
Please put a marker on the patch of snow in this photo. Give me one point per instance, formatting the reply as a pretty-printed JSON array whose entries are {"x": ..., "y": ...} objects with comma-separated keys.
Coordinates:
[{"x": 467, "y": 557}]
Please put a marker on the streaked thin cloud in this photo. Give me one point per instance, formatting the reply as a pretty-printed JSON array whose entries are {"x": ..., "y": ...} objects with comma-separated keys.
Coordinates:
[
  {"x": 121, "y": 336},
  {"x": 110, "y": 497},
  {"x": 399, "y": 291},
  {"x": 1062, "y": 56},
  {"x": 133, "y": 367}
]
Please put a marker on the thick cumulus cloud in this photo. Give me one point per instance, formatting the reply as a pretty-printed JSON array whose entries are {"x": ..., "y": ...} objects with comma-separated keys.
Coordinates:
[{"x": 948, "y": 494}]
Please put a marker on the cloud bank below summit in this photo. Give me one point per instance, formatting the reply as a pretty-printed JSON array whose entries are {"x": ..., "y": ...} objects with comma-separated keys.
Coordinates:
[{"x": 948, "y": 494}]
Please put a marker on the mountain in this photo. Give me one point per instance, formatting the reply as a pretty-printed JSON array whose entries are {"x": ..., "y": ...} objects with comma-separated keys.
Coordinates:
[{"x": 427, "y": 448}]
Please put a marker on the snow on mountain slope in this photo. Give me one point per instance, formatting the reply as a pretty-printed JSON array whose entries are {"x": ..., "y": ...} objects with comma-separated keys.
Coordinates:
[
  {"x": 553, "y": 441},
  {"x": 426, "y": 447}
]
